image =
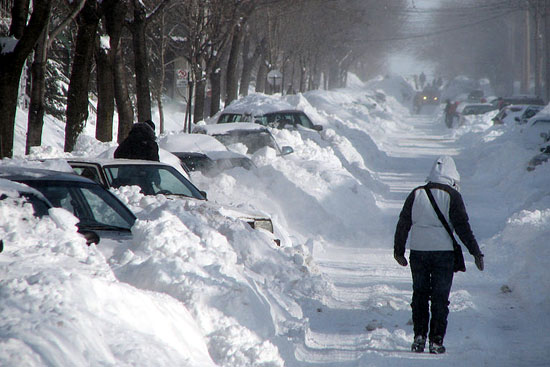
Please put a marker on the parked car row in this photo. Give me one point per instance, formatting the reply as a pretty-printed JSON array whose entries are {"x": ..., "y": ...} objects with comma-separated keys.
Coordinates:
[{"x": 83, "y": 188}]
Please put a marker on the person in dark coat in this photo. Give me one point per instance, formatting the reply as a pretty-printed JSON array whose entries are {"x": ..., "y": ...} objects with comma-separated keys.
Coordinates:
[
  {"x": 431, "y": 250},
  {"x": 140, "y": 143}
]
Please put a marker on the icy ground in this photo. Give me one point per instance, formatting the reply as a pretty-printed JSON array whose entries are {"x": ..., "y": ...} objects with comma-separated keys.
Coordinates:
[{"x": 196, "y": 288}]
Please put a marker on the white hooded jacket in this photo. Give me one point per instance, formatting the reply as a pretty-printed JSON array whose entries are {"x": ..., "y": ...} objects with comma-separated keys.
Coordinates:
[
  {"x": 419, "y": 217},
  {"x": 427, "y": 232}
]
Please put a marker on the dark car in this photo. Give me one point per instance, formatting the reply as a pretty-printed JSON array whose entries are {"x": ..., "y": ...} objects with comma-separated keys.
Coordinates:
[{"x": 98, "y": 210}]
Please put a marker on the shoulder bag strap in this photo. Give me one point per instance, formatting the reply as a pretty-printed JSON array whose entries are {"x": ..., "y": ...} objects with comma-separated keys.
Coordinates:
[{"x": 440, "y": 215}]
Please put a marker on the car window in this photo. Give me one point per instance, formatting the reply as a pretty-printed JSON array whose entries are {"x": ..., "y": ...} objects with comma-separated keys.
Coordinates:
[
  {"x": 304, "y": 120},
  {"x": 39, "y": 206},
  {"x": 152, "y": 179},
  {"x": 89, "y": 172},
  {"x": 233, "y": 117},
  {"x": 93, "y": 205}
]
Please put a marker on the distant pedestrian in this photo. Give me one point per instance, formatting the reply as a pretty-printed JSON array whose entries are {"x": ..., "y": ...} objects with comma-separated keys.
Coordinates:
[
  {"x": 431, "y": 213},
  {"x": 140, "y": 143},
  {"x": 422, "y": 80}
]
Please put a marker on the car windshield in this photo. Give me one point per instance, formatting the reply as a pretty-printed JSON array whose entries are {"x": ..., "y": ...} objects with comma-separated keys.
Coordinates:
[
  {"x": 476, "y": 110},
  {"x": 95, "y": 207},
  {"x": 195, "y": 161},
  {"x": 293, "y": 118},
  {"x": 233, "y": 117},
  {"x": 152, "y": 179},
  {"x": 253, "y": 140}
]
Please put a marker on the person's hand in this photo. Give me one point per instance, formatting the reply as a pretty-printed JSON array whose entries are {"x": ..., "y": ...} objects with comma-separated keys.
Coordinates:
[
  {"x": 400, "y": 259},
  {"x": 479, "y": 262}
]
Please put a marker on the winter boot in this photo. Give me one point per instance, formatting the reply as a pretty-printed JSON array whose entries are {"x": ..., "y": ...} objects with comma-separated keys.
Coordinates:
[
  {"x": 436, "y": 345},
  {"x": 418, "y": 344}
]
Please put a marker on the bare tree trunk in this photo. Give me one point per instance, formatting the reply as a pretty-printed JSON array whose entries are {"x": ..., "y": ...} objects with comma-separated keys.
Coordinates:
[
  {"x": 303, "y": 75},
  {"x": 12, "y": 62},
  {"x": 248, "y": 65},
  {"x": 77, "y": 96},
  {"x": 159, "y": 87},
  {"x": 115, "y": 12},
  {"x": 122, "y": 98},
  {"x": 215, "y": 82},
  {"x": 261, "y": 77},
  {"x": 37, "y": 105},
  {"x": 232, "y": 85},
  {"x": 35, "y": 122},
  {"x": 200, "y": 86},
  {"x": 547, "y": 41},
  {"x": 141, "y": 64},
  {"x": 538, "y": 52},
  {"x": 105, "y": 94}
]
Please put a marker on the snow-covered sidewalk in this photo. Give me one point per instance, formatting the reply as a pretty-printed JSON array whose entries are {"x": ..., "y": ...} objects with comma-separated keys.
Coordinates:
[{"x": 368, "y": 322}]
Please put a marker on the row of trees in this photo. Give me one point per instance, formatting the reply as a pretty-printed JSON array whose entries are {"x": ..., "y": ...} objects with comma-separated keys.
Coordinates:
[{"x": 123, "y": 52}]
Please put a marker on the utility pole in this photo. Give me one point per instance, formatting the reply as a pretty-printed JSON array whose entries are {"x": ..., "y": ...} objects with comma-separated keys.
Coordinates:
[
  {"x": 526, "y": 70},
  {"x": 547, "y": 44}
]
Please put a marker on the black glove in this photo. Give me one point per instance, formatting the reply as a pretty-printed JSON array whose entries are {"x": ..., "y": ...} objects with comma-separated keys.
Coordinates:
[
  {"x": 479, "y": 261},
  {"x": 400, "y": 259}
]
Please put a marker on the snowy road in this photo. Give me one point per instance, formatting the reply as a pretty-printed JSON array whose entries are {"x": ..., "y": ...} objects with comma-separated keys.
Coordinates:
[{"x": 367, "y": 321}]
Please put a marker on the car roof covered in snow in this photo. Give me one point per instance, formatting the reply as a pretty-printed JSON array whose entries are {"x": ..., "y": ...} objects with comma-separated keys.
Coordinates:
[
  {"x": 220, "y": 129},
  {"x": 182, "y": 142},
  {"x": 29, "y": 173}
]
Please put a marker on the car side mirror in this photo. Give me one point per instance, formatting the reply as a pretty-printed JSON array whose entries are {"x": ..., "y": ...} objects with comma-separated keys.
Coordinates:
[
  {"x": 317, "y": 128},
  {"x": 90, "y": 236},
  {"x": 544, "y": 136},
  {"x": 203, "y": 193},
  {"x": 286, "y": 150}
]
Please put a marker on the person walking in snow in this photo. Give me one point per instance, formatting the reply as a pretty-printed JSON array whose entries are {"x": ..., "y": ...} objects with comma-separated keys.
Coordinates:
[
  {"x": 432, "y": 249},
  {"x": 140, "y": 143}
]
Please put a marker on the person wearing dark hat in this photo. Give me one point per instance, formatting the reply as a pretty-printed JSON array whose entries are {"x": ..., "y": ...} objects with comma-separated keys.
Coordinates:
[{"x": 140, "y": 143}]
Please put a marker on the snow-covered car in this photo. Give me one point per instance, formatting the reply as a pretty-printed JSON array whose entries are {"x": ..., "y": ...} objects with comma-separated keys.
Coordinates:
[
  {"x": 253, "y": 136},
  {"x": 152, "y": 177},
  {"x": 529, "y": 112},
  {"x": 287, "y": 119},
  {"x": 472, "y": 109},
  {"x": 156, "y": 178},
  {"x": 539, "y": 159},
  {"x": 204, "y": 153},
  {"x": 98, "y": 210},
  {"x": 213, "y": 163},
  {"x": 509, "y": 113},
  {"x": 536, "y": 131}
]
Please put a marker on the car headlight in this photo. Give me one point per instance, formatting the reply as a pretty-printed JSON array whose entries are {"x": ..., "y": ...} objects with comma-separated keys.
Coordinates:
[{"x": 262, "y": 223}]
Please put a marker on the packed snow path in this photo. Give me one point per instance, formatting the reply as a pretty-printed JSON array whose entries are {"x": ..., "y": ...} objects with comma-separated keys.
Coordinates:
[{"x": 368, "y": 320}]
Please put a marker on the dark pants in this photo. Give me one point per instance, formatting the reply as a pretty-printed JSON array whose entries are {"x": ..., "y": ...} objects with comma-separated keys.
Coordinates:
[{"x": 432, "y": 273}]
